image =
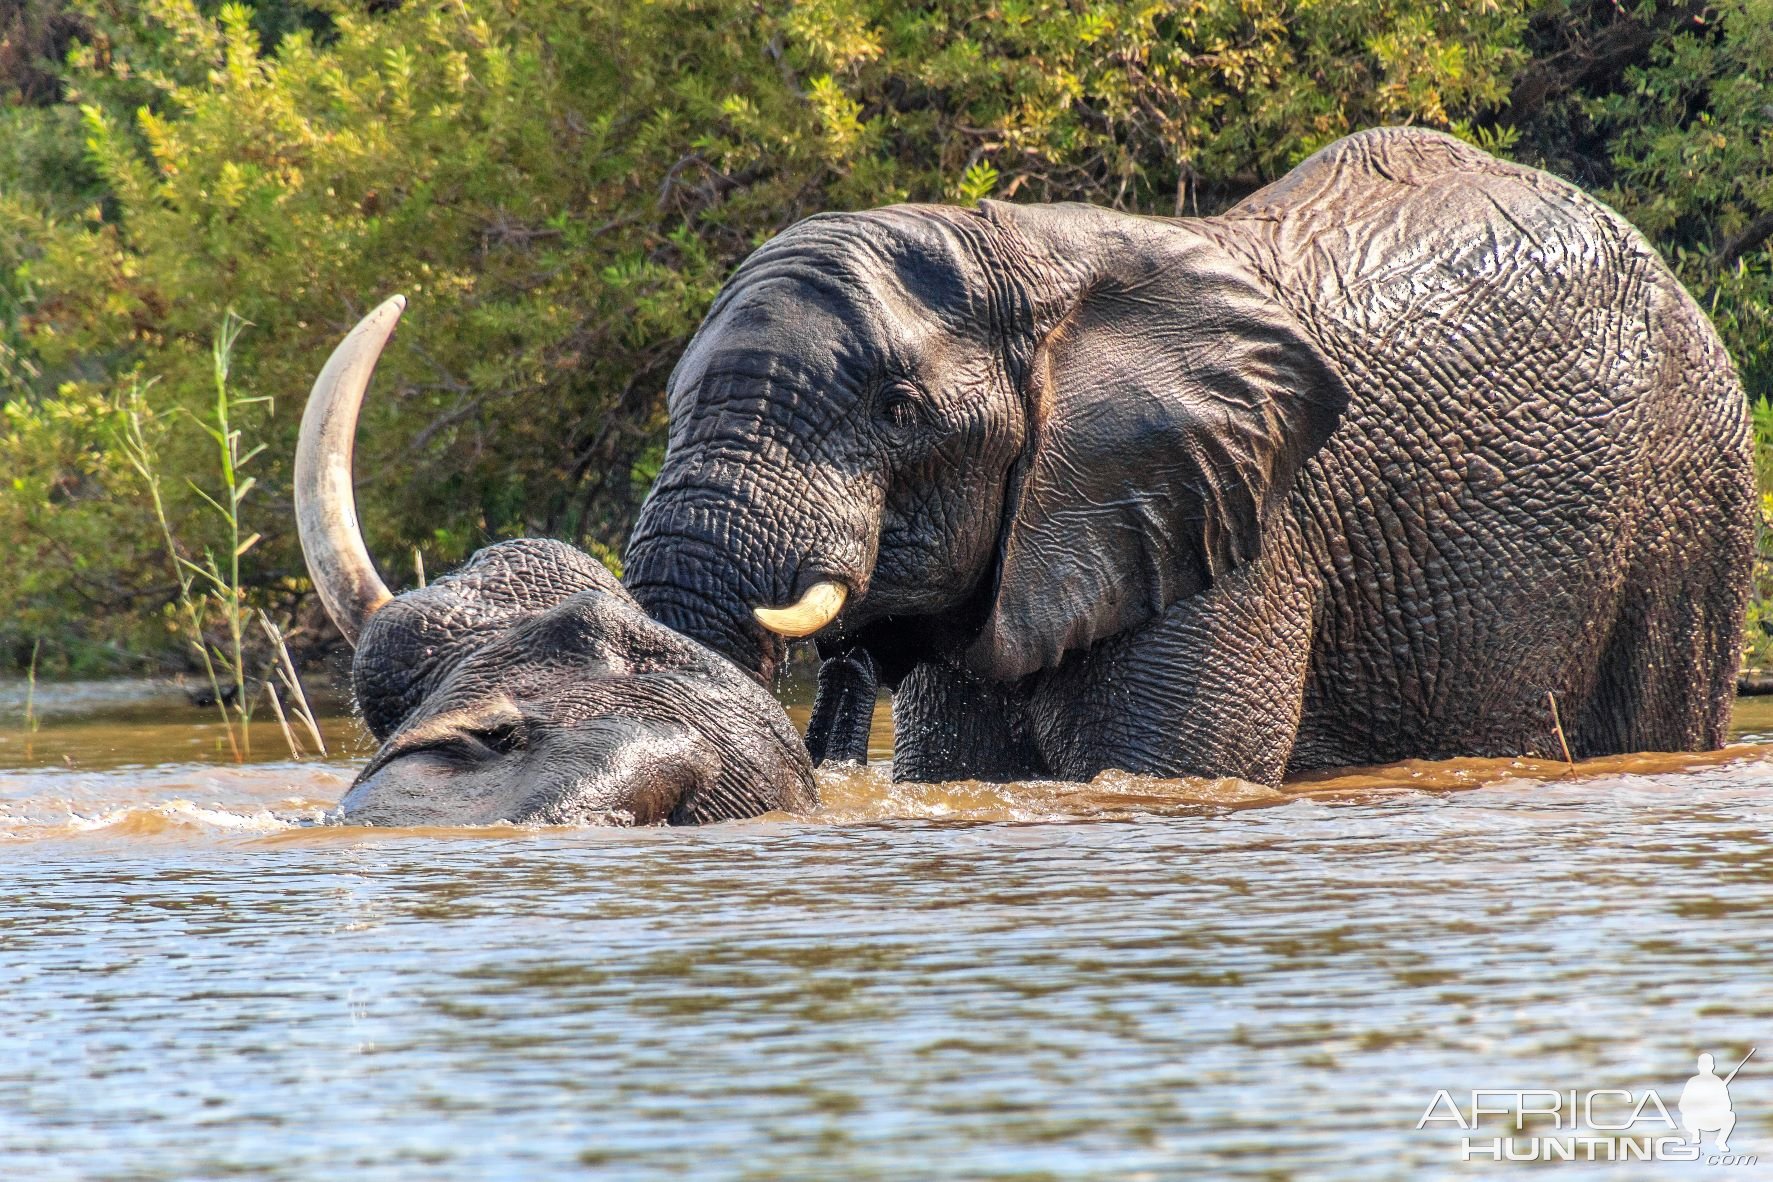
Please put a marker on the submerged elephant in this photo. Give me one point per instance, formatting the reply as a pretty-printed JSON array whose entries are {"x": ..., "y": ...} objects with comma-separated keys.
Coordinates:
[
  {"x": 1389, "y": 460},
  {"x": 526, "y": 686}
]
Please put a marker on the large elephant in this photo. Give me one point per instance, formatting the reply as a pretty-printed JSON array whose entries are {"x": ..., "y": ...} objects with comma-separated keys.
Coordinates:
[
  {"x": 1407, "y": 455},
  {"x": 526, "y": 686}
]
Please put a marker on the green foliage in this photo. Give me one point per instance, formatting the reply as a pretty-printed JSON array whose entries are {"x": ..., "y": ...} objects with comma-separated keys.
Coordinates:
[
  {"x": 1157, "y": 107},
  {"x": 1673, "y": 126},
  {"x": 1693, "y": 154},
  {"x": 1757, "y": 644},
  {"x": 560, "y": 187}
]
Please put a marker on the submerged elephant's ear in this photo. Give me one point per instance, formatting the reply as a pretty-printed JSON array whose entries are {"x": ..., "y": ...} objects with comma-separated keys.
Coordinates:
[{"x": 1170, "y": 409}]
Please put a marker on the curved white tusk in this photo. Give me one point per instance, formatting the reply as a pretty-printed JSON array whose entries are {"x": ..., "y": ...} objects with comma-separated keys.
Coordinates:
[
  {"x": 325, "y": 503},
  {"x": 817, "y": 608}
]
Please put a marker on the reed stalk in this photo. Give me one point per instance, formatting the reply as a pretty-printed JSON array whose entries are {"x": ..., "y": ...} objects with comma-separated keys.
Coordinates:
[
  {"x": 212, "y": 585},
  {"x": 31, "y": 687},
  {"x": 295, "y": 750},
  {"x": 142, "y": 457},
  {"x": 292, "y": 682}
]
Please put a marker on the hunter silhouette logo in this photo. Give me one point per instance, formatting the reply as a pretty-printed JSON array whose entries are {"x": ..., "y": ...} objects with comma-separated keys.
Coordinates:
[
  {"x": 1705, "y": 1103},
  {"x": 1601, "y": 1124}
]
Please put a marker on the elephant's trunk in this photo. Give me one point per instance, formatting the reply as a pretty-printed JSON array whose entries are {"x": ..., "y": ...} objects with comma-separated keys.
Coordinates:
[
  {"x": 680, "y": 582},
  {"x": 722, "y": 553},
  {"x": 325, "y": 502},
  {"x": 843, "y": 710}
]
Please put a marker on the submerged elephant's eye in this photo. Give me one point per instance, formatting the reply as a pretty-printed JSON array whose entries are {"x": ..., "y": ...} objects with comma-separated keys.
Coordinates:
[
  {"x": 476, "y": 744},
  {"x": 503, "y": 738}
]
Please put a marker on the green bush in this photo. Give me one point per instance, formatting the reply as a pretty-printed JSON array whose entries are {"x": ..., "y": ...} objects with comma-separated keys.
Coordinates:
[
  {"x": 560, "y": 187},
  {"x": 1680, "y": 140}
]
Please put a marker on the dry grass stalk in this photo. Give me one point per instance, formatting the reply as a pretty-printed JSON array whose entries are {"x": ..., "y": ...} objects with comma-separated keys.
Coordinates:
[
  {"x": 295, "y": 750},
  {"x": 292, "y": 682},
  {"x": 1557, "y": 728}
]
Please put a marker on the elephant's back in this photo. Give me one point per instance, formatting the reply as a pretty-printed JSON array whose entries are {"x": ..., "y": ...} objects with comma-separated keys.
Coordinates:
[
  {"x": 1516, "y": 352},
  {"x": 1540, "y": 421},
  {"x": 1365, "y": 175},
  {"x": 1491, "y": 317},
  {"x": 1398, "y": 240}
]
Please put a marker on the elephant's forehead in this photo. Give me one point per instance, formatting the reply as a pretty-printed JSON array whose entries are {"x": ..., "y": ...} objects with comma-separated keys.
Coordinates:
[
  {"x": 551, "y": 693},
  {"x": 535, "y": 689},
  {"x": 806, "y": 319},
  {"x": 780, "y": 347},
  {"x": 911, "y": 244},
  {"x": 535, "y": 655},
  {"x": 884, "y": 281},
  {"x": 516, "y": 674}
]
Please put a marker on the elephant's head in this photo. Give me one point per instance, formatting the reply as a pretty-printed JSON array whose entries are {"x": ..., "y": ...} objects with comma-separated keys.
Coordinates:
[
  {"x": 991, "y": 436},
  {"x": 526, "y": 686}
]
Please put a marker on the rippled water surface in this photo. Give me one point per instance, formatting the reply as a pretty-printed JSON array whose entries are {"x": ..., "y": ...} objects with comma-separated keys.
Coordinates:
[{"x": 1128, "y": 979}]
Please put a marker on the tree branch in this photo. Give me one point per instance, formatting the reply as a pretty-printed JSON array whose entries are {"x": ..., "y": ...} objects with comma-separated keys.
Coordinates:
[{"x": 1748, "y": 238}]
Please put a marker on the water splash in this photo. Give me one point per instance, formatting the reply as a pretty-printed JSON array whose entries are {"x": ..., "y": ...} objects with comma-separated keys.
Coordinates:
[{"x": 289, "y": 802}]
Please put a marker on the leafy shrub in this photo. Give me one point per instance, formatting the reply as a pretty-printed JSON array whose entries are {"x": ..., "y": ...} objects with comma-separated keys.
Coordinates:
[{"x": 561, "y": 186}]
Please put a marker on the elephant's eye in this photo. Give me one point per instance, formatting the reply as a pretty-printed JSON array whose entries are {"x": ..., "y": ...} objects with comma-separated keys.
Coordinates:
[
  {"x": 477, "y": 743},
  {"x": 504, "y": 737},
  {"x": 901, "y": 407}
]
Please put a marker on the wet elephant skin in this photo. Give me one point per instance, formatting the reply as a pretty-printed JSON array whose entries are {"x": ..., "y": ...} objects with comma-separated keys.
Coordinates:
[
  {"x": 1380, "y": 464},
  {"x": 527, "y": 687}
]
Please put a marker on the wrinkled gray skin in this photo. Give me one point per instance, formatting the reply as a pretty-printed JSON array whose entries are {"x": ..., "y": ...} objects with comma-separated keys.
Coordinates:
[
  {"x": 528, "y": 687},
  {"x": 1362, "y": 470}
]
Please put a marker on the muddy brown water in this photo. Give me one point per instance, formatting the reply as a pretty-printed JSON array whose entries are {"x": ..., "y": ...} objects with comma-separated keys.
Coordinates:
[{"x": 1132, "y": 978}]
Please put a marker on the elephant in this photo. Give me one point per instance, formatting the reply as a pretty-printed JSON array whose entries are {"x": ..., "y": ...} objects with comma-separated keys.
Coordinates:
[
  {"x": 1414, "y": 453},
  {"x": 526, "y": 686}
]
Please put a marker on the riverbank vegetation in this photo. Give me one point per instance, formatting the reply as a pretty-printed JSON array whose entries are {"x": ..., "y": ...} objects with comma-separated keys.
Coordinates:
[{"x": 560, "y": 187}]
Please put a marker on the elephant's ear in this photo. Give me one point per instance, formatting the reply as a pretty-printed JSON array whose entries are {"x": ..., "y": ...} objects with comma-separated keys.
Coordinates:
[{"x": 1171, "y": 407}]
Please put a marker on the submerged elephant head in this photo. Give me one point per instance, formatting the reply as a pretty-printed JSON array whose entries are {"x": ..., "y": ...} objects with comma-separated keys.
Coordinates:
[
  {"x": 527, "y": 686},
  {"x": 990, "y": 436}
]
